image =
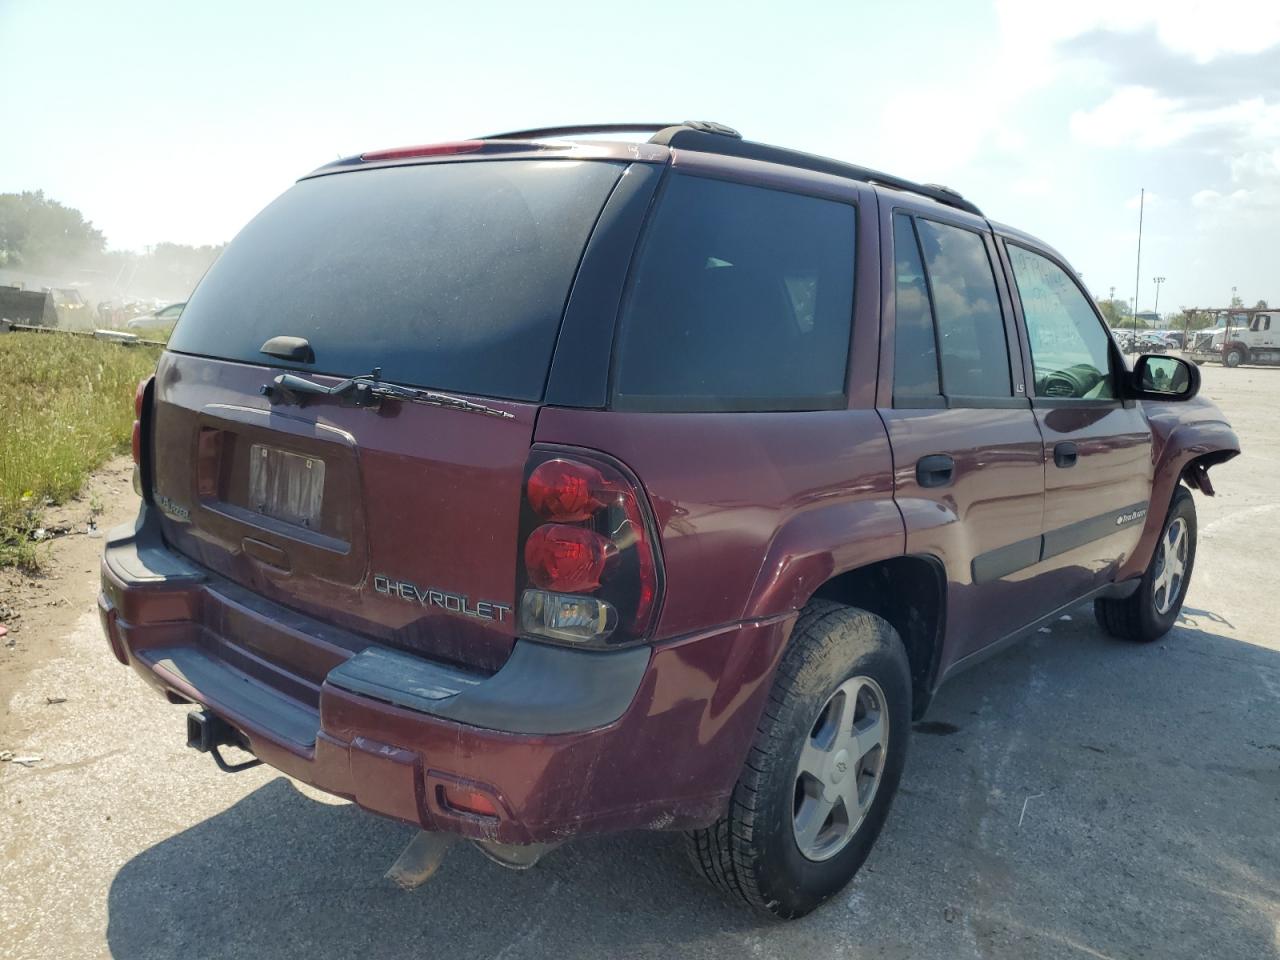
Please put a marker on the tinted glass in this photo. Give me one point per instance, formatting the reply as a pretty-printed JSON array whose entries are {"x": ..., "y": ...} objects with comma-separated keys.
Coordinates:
[
  {"x": 975, "y": 352},
  {"x": 741, "y": 299},
  {"x": 447, "y": 275},
  {"x": 1070, "y": 350},
  {"x": 915, "y": 352}
]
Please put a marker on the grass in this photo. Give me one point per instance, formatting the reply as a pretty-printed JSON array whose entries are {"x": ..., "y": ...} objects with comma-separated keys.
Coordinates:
[{"x": 66, "y": 406}]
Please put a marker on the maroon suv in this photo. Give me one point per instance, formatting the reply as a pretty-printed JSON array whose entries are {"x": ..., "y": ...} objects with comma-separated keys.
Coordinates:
[{"x": 524, "y": 488}]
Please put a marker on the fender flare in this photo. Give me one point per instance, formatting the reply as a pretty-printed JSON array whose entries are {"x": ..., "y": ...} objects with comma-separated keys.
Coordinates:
[
  {"x": 822, "y": 542},
  {"x": 1183, "y": 445}
]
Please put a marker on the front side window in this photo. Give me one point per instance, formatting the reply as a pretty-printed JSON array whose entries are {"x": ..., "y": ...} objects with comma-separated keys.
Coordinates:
[
  {"x": 1070, "y": 350},
  {"x": 971, "y": 332},
  {"x": 741, "y": 299}
]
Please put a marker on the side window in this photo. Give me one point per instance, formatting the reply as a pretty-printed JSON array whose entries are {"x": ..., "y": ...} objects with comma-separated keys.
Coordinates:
[
  {"x": 971, "y": 332},
  {"x": 741, "y": 299},
  {"x": 1070, "y": 350},
  {"x": 915, "y": 351}
]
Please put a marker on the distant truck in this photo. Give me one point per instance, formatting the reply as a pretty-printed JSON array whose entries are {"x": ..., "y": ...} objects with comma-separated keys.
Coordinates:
[{"x": 1247, "y": 337}]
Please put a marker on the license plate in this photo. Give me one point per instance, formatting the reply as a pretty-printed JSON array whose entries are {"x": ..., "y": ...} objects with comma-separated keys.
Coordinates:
[{"x": 286, "y": 486}]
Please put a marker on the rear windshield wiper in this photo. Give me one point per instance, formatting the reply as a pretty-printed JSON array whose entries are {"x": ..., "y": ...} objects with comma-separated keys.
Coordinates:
[{"x": 368, "y": 390}]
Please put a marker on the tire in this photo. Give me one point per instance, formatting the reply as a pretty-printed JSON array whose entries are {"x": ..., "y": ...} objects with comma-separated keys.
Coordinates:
[
  {"x": 1233, "y": 358},
  {"x": 838, "y": 656},
  {"x": 1151, "y": 611}
]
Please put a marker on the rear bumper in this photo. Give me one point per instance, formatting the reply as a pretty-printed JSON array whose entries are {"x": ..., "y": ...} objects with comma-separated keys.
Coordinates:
[{"x": 563, "y": 742}]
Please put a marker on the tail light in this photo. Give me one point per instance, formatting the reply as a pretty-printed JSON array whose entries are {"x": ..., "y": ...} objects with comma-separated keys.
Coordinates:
[
  {"x": 141, "y": 467},
  {"x": 589, "y": 571}
]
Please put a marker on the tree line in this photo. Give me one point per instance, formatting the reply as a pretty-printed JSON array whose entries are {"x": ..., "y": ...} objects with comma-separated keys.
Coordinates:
[{"x": 42, "y": 237}]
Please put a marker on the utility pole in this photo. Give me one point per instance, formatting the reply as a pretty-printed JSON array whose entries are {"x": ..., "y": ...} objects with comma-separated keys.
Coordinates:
[
  {"x": 1137, "y": 272},
  {"x": 1156, "y": 308}
]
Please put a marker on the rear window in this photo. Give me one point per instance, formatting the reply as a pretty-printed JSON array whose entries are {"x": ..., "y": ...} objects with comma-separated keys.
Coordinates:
[
  {"x": 742, "y": 299},
  {"x": 447, "y": 275}
]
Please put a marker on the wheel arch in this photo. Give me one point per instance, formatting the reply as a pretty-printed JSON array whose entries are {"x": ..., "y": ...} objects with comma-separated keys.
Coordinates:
[
  {"x": 909, "y": 592},
  {"x": 1187, "y": 446}
]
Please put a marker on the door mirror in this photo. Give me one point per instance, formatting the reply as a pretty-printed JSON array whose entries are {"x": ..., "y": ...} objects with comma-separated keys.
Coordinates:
[{"x": 1157, "y": 377}]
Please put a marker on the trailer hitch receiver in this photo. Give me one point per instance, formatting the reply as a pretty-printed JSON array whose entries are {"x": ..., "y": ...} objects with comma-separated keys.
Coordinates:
[{"x": 207, "y": 732}]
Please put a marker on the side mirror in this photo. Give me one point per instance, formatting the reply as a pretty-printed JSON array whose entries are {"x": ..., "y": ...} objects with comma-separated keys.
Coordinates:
[{"x": 1160, "y": 377}]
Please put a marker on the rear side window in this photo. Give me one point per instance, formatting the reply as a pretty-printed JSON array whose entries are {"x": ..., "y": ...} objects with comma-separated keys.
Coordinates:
[
  {"x": 741, "y": 299},
  {"x": 915, "y": 352},
  {"x": 971, "y": 332},
  {"x": 445, "y": 275}
]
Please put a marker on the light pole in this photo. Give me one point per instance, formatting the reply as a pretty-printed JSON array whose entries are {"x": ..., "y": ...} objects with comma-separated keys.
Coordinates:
[{"x": 1156, "y": 308}]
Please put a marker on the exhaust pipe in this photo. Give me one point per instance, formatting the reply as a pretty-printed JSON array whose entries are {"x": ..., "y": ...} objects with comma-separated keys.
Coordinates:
[{"x": 207, "y": 732}]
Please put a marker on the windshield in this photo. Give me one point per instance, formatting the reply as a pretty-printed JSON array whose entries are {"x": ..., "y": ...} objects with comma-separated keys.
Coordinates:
[{"x": 447, "y": 275}]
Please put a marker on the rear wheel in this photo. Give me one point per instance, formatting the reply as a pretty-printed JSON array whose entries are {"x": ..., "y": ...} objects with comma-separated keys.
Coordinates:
[
  {"x": 823, "y": 769},
  {"x": 1151, "y": 611}
]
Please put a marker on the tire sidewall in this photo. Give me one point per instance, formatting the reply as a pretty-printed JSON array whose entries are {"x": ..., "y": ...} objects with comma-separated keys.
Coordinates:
[{"x": 788, "y": 878}]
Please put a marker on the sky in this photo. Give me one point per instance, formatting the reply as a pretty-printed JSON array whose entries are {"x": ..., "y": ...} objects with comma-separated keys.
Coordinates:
[{"x": 178, "y": 121}]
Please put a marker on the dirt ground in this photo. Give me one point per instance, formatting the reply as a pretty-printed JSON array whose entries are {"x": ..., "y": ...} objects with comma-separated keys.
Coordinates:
[
  {"x": 37, "y": 610},
  {"x": 1073, "y": 797}
]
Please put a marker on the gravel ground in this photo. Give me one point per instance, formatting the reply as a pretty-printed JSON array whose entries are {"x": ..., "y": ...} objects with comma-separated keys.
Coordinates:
[{"x": 1073, "y": 797}]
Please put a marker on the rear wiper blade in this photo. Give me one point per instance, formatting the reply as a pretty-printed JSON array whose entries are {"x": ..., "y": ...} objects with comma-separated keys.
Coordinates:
[
  {"x": 432, "y": 398},
  {"x": 368, "y": 390}
]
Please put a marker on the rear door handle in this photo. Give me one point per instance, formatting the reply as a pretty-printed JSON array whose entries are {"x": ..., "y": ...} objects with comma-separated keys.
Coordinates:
[
  {"x": 1065, "y": 454},
  {"x": 935, "y": 470}
]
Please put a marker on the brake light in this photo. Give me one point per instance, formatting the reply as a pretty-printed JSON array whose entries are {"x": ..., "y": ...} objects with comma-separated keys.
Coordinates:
[
  {"x": 425, "y": 150},
  {"x": 563, "y": 490},
  {"x": 141, "y": 479},
  {"x": 589, "y": 570},
  {"x": 139, "y": 403},
  {"x": 565, "y": 558}
]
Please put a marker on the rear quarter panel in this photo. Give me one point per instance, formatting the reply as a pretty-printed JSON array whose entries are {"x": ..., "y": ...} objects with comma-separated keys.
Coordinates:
[{"x": 754, "y": 510}]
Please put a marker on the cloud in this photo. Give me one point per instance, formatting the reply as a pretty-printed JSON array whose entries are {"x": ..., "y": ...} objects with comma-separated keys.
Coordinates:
[
  {"x": 1140, "y": 59},
  {"x": 1142, "y": 117}
]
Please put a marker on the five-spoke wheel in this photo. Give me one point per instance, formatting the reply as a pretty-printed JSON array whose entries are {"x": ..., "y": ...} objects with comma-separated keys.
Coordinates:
[{"x": 839, "y": 769}]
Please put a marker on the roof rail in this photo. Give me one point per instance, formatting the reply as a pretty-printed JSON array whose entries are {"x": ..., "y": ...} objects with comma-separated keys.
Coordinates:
[
  {"x": 539, "y": 133},
  {"x": 689, "y": 137},
  {"x": 708, "y": 136}
]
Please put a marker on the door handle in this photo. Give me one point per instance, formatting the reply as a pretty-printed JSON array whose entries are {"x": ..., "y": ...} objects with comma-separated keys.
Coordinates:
[
  {"x": 935, "y": 470},
  {"x": 1065, "y": 454}
]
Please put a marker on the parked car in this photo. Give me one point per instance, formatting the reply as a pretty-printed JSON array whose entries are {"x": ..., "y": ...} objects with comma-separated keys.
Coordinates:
[
  {"x": 527, "y": 490},
  {"x": 162, "y": 319}
]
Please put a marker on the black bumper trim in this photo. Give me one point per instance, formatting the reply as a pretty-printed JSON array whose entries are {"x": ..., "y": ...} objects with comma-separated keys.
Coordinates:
[{"x": 541, "y": 689}]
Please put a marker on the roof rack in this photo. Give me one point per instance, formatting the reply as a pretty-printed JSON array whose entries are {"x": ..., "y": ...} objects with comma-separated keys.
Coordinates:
[
  {"x": 540, "y": 133},
  {"x": 709, "y": 137}
]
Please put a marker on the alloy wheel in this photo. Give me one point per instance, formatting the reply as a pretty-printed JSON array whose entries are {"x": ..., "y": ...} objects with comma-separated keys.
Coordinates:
[
  {"x": 1171, "y": 564},
  {"x": 840, "y": 768}
]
